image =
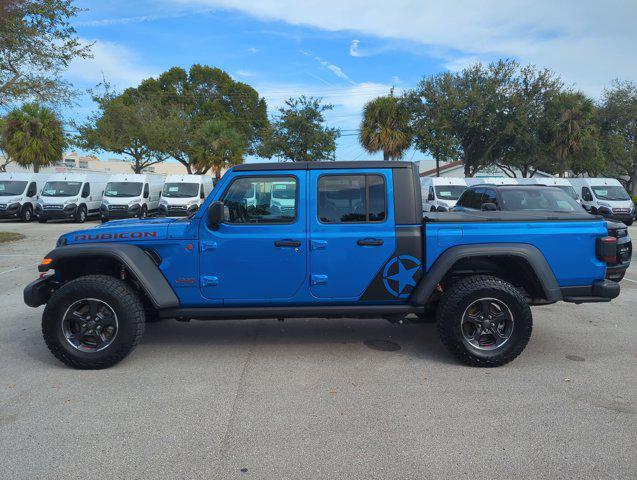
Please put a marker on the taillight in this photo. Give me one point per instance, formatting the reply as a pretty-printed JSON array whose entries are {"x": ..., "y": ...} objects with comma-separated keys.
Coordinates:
[{"x": 607, "y": 249}]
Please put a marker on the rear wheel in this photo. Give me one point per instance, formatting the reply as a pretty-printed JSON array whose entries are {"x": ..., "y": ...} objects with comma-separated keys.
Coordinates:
[
  {"x": 93, "y": 322},
  {"x": 484, "y": 321}
]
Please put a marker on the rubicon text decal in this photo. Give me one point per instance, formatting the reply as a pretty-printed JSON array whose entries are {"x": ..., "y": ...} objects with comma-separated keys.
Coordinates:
[{"x": 85, "y": 237}]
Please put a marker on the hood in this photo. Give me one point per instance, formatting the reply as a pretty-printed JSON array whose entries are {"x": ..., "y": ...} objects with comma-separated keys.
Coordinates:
[{"x": 131, "y": 231}]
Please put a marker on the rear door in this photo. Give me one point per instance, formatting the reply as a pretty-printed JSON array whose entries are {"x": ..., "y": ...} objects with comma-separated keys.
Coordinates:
[{"x": 352, "y": 230}]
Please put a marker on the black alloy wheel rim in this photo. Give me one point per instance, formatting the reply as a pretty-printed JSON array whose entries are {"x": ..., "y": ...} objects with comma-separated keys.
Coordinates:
[
  {"x": 487, "y": 324},
  {"x": 90, "y": 325}
]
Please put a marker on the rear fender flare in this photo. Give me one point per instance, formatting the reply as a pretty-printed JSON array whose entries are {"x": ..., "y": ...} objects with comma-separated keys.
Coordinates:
[{"x": 546, "y": 278}]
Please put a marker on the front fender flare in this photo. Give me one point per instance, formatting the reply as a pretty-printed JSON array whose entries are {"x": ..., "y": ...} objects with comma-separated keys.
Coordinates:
[
  {"x": 136, "y": 261},
  {"x": 529, "y": 253}
]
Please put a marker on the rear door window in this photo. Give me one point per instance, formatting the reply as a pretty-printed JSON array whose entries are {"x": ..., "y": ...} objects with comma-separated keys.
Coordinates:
[
  {"x": 489, "y": 197},
  {"x": 352, "y": 198}
]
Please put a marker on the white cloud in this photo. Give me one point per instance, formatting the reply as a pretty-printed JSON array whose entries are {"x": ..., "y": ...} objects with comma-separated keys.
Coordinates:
[
  {"x": 253, "y": 50},
  {"x": 245, "y": 73},
  {"x": 111, "y": 61},
  {"x": 353, "y": 48},
  {"x": 335, "y": 69},
  {"x": 587, "y": 41}
]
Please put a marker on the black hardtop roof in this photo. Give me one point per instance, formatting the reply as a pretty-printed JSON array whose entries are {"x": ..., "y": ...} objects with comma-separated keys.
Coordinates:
[{"x": 249, "y": 167}]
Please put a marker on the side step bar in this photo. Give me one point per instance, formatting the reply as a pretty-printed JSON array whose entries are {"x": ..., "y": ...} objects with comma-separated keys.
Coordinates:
[{"x": 319, "y": 311}]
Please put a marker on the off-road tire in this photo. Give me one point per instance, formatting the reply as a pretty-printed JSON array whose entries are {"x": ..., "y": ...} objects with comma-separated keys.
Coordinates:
[
  {"x": 457, "y": 299},
  {"x": 79, "y": 218},
  {"x": 119, "y": 296},
  {"x": 27, "y": 214}
]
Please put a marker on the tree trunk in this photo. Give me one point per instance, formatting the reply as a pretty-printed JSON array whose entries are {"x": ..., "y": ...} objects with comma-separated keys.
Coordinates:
[
  {"x": 437, "y": 167},
  {"x": 467, "y": 169},
  {"x": 36, "y": 167},
  {"x": 633, "y": 182},
  {"x": 386, "y": 155}
]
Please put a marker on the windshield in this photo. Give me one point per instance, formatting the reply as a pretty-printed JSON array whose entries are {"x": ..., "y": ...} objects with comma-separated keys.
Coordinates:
[
  {"x": 570, "y": 191},
  {"x": 181, "y": 190},
  {"x": 284, "y": 191},
  {"x": 61, "y": 189},
  {"x": 542, "y": 199},
  {"x": 11, "y": 187},
  {"x": 610, "y": 192},
  {"x": 449, "y": 192},
  {"x": 123, "y": 189}
]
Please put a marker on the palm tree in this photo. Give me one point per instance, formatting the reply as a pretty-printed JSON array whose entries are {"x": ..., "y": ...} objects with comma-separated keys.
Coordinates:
[
  {"x": 33, "y": 136},
  {"x": 217, "y": 145},
  {"x": 573, "y": 125},
  {"x": 385, "y": 126}
]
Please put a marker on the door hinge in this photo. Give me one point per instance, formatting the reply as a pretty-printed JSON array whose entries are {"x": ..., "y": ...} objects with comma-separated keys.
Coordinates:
[
  {"x": 318, "y": 279},
  {"x": 209, "y": 281},
  {"x": 203, "y": 246}
]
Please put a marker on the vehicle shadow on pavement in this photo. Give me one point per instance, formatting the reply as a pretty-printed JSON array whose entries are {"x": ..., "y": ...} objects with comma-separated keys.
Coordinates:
[{"x": 417, "y": 340}]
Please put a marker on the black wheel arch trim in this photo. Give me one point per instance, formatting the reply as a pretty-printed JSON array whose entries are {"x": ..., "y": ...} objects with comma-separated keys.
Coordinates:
[
  {"x": 423, "y": 291},
  {"x": 140, "y": 265}
]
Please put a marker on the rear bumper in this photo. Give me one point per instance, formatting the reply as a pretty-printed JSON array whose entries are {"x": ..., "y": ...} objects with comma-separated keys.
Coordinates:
[
  {"x": 599, "y": 291},
  {"x": 39, "y": 291}
]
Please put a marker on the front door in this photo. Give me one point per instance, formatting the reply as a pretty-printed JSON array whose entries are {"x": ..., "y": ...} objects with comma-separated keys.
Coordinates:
[
  {"x": 352, "y": 231},
  {"x": 259, "y": 252}
]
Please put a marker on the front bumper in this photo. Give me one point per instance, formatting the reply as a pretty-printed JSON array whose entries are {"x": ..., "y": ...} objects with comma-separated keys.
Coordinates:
[
  {"x": 599, "y": 291},
  {"x": 624, "y": 217},
  {"x": 10, "y": 211},
  {"x": 39, "y": 291},
  {"x": 113, "y": 212},
  {"x": 176, "y": 210},
  {"x": 49, "y": 212}
]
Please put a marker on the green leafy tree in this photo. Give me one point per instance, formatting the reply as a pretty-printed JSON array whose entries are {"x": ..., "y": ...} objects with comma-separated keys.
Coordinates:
[
  {"x": 34, "y": 136},
  {"x": 217, "y": 146},
  {"x": 3, "y": 153},
  {"x": 463, "y": 115},
  {"x": 190, "y": 99},
  {"x": 36, "y": 44},
  {"x": 569, "y": 128},
  {"x": 385, "y": 127},
  {"x": 524, "y": 150},
  {"x": 617, "y": 120},
  {"x": 129, "y": 124},
  {"x": 298, "y": 132}
]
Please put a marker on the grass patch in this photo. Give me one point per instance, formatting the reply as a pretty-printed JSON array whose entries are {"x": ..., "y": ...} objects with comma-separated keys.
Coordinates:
[{"x": 10, "y": 236}]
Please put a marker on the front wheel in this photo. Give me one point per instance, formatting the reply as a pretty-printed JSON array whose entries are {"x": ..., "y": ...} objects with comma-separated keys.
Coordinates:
[
  {"x": 27, "y": 214},
  {"x": 484, "y": 321},
  {"x": 80, "y": 216},
  {"x": 93, "y": 322}
]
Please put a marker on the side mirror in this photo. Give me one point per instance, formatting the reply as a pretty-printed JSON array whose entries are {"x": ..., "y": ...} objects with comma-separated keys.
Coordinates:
[
  {"x": 215, "y": 214},
  {"x": 489, "y": 207},
  {"x": 202, "y": 196},
  {"x": 84, "y": 194},
  {"x": 145, "y": 194},
  {"x": 430, "y": 198}
]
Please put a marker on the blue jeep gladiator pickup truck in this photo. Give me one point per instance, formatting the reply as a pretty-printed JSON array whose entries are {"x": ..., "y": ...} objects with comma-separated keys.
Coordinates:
[{"x": 325, "y": 239}]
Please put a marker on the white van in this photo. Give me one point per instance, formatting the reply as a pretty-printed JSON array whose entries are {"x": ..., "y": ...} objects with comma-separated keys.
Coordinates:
[
  {"x": 561, "y": 183},
  {"x": 605, "y": 196},
  {"x": 440, "y": 194},
  {"x": 131, "y": 195},
  {"x": 183, "y": 194},
  {"x": 74, "y": 196},
  {"x": 491, "y": 181},
  {"x": 19, "y": 193}
]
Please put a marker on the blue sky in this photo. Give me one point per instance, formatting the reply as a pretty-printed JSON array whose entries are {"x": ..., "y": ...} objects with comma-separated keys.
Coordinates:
[{"x": 349, "y": 52}]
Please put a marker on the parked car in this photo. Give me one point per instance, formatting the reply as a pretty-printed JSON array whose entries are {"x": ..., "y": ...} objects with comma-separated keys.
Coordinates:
[
  {"x": 440, "y": 194},
  {"x": 353, "y": 245},
  {"x": 131, "y": 195},
  {"x": 561, "y": 183},
  {"x": 183, "y": 194},
  {"x": 536, "y": 198},
  {"x": 19, "y": 193},
  {"x": 605, "y": 196},
  {"x": 75, "y": 196}
]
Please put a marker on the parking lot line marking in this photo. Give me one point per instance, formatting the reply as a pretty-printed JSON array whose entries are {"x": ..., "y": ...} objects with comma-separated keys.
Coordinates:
[
  {"x": 15, "y": 268},
  {"x": 630, "y": 280}
]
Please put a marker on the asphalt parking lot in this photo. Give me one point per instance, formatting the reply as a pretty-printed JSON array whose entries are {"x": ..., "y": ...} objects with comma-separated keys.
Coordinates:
[{"x": 317, "y": 398}]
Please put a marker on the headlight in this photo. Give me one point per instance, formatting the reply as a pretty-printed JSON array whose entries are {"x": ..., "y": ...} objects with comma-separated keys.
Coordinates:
[
  {"x": 70, "y": 200},
  {"x": 602, "y": 204},
  {"x": 443, "y": 208},
  {"x": 192, "y": 204},
  {"x": 105, "y": 202},
  {"x": 163, "y": 202}
]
